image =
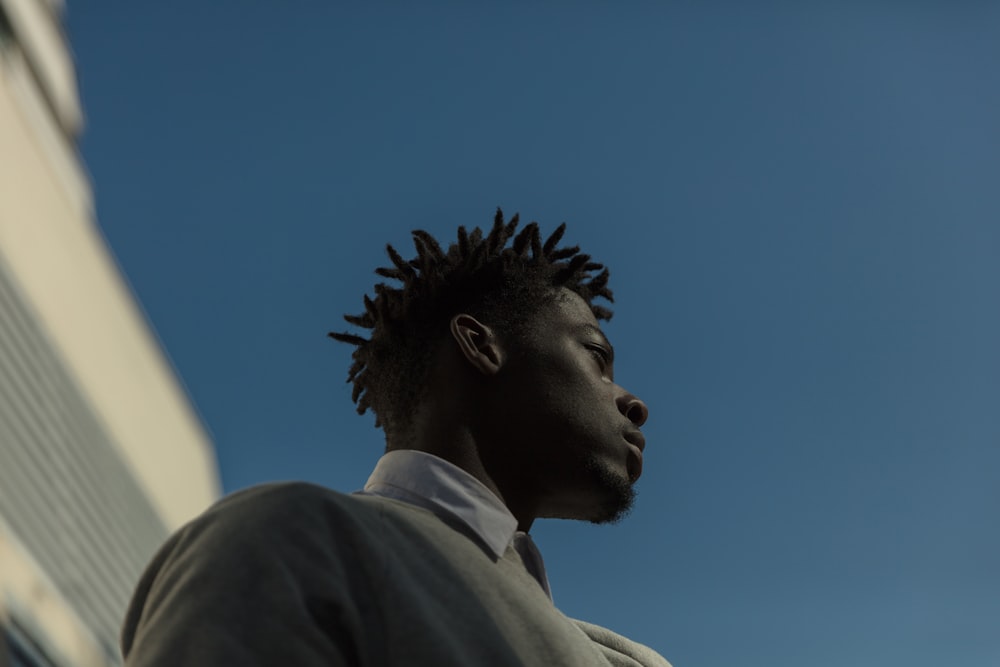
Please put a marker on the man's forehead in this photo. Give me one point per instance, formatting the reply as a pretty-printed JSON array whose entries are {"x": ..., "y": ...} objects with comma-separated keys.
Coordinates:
[
  {"x": 571, "y": 310},
  {"x": 574, "y": 306}
]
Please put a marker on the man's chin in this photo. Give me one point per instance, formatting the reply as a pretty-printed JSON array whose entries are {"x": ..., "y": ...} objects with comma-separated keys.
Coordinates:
[
  {"x": 616, "y": 497},
  {"x": 613, "y": 512}
]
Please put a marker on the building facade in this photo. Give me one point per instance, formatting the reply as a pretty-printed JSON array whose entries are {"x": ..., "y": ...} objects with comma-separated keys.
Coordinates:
[{"x": 102, "y": 454}]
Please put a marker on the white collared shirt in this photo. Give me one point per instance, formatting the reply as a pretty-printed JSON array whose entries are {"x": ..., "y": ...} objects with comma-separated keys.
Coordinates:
[{"x": 437, "y": 485}]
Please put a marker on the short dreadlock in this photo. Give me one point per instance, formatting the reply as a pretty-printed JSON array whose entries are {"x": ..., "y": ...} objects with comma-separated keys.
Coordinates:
[{"x": 477, "y": 275}]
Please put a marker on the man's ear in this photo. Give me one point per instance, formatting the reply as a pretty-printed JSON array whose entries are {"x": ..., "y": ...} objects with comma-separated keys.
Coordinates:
[{"x": 477, "y": 343}]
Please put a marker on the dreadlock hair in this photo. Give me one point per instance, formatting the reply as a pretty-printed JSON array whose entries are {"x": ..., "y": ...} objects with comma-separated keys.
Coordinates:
[{"x": 481, "y": 276}]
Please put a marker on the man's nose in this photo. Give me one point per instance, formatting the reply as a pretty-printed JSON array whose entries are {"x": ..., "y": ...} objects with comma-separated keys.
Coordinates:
[{"x": 633, "y": 409}]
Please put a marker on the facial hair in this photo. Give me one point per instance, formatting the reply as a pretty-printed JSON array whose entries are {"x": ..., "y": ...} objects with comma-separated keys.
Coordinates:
[{"x": 617, "y": 494}]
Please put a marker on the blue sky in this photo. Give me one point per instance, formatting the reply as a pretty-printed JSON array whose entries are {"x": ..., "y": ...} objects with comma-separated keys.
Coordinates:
[{"x": 801, "y": 211}]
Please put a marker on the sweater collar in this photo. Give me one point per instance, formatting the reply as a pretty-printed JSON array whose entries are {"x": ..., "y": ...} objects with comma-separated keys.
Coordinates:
[{"x": 431, "y": 482}]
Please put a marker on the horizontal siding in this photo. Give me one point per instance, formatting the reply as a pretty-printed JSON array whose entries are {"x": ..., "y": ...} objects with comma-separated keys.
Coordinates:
[{"x": 64, "y": 490}]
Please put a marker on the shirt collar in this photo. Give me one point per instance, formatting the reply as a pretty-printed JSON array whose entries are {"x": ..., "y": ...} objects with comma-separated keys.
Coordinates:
[{"x": 431, "y": 482}]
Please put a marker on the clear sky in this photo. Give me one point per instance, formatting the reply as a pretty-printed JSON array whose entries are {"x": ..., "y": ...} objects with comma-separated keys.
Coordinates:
[{"x": 801, "y": 211}]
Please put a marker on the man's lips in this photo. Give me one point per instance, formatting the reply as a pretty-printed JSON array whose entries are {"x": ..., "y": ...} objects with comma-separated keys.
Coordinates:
[
  {"x": 637, "y": 443},
  {"x": 636, "y": 438}
]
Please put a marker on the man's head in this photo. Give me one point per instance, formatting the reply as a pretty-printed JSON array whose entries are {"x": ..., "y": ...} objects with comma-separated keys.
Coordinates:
[{"x": 508, "y": 338}]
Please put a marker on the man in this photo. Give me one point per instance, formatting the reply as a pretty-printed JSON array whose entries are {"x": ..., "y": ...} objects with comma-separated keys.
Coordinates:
[{"x": 494, "y": 385}]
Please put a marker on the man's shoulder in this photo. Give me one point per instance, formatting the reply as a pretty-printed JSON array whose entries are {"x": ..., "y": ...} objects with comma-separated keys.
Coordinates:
[
  {"x": 282, "y": 520},
  {"x": 272, "y": 538},
  {"x": 284, "y": 503},
  {"x": 280, "y": 495},
  {"x": 282, "y": 507}
]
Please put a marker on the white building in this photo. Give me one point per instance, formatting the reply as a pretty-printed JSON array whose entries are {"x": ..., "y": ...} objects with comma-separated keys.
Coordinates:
[{"x": 101, "y": 452}]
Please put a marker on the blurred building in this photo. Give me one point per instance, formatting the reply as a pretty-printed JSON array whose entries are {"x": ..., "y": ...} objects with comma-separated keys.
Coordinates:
[{"x": 101, "y": 451}]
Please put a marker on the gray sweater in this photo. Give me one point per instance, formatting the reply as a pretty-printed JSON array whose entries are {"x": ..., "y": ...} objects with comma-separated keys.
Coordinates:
[{"x": 299, "y": 575}]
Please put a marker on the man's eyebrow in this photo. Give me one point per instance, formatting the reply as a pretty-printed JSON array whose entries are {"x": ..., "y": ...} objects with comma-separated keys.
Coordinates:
[{"x": 597, "y": 330}]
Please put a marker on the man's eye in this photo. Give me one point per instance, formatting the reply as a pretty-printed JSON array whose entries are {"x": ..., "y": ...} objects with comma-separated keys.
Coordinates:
[{"x": 600, "y": 353}]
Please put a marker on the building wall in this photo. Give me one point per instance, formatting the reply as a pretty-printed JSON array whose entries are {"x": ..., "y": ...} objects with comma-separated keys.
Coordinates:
[{"x": 101, "y": 451}]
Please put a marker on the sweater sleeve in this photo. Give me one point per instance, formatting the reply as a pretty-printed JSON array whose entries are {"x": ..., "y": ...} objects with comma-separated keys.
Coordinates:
[
  {"x": 621, "y": 651},
  {"x": 260, "y": 580}
]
